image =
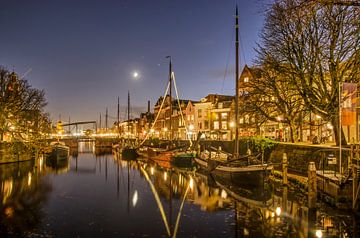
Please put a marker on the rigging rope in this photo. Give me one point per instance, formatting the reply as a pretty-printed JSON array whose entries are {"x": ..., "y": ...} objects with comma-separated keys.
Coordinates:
[
  {"x": 162, "y": 103},
  {"x": 157, "y": 116},
  {"x": 178, "y": 100}
]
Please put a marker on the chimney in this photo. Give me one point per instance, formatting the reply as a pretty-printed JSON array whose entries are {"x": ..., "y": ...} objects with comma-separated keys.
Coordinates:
[{"x": 148, "y": 106}]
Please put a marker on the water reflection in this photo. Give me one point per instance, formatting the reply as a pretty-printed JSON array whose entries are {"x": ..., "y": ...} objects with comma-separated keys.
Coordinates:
[
  {"x": 110, "y": 197},
  {"x": 56, "y": 166},
  {"x": 22, "y": 194}
]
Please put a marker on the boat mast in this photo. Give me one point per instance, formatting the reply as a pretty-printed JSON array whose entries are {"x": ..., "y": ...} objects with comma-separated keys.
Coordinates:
[
  {"x": 236, "y": 150},
  {"x": 118, "y": 117},
  {"x": 128, "y": 115},
  {"x": 170, "y": 79}
]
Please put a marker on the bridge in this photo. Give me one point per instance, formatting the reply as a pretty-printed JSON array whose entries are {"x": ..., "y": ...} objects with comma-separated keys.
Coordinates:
[{"x": 80, "y": 123}]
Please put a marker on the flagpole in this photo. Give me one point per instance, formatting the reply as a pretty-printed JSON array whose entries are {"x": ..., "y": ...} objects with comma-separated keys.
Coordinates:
[{"x": 340, "y": 129}]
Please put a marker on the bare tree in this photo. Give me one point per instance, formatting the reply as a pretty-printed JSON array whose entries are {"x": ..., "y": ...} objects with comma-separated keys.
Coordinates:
[
  {"x": 271, "y": 97},
  {"x": 315, "y": 48}
]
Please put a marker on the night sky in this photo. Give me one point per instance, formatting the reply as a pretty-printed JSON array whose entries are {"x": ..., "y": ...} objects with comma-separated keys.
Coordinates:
[{"x": 83, "y": 53}]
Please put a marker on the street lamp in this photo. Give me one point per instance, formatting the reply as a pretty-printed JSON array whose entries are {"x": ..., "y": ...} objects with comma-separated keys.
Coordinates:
[
  {"x": 165, "y": 132},
  {"x": 191, "y": 128},
  {"x": 232, "y": 124}
]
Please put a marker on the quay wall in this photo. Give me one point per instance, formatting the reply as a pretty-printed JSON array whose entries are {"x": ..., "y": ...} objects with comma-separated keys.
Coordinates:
[
  {"x": 298, "y": 155},
  {"x": 15, "y": 152}
]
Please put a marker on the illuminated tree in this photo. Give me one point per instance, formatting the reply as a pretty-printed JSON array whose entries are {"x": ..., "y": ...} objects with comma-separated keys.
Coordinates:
[
  {"x": 315, "y": 48},
  {"x": 21, "y": 108},
  {"x": 271, "y": 97}
]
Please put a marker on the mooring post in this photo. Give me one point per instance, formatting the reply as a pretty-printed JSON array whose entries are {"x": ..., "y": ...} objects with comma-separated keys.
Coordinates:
[
  {"x": 284, "y": 169},
  {"x": 312, "y": 191},
  {"x": 355, "y": 174},
  {"x": 285, "y": 199}
]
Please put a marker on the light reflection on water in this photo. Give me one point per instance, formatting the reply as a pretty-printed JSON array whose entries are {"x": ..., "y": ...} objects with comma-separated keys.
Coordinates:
[{"x": 95, "y": 193}]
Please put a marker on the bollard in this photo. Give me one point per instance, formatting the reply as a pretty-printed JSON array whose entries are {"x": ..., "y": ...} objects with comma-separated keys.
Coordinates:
[
  {"x": 312, "y": 185},
  {"x": 284, "y": 199},
  {"x": 284, "y": 168},
  {"x": 355, "y": 175}
]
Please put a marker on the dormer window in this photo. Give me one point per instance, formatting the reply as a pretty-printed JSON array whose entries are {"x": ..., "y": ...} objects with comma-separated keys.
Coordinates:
[{"x": 246, "y": 79}]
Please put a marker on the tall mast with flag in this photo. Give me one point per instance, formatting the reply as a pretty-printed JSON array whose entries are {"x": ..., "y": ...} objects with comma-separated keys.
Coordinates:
[
  {"x": 170, "y": 85},
  {"x": 236, "y": 148}
]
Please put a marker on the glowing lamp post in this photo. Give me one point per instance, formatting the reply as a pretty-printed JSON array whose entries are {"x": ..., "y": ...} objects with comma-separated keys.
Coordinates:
[
  {"x": 191, "y": 128},
  {"x": 232, "y": 124},
  {"x": 165, "y": 132}
]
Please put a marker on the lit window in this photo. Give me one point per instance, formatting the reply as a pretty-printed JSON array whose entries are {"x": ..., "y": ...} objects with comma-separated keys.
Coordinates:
[
  {"x": 241, "y": 120},
  {"x": 220, "y": 105},
  {"x": 224, "y": 115},
  {"x": 224, "y": 125},
  {"x": 216, "y": 125},
  {"x": 199, "y": 113},
  {"x": 246, "y": 79},
  {"x": 247, "y": 118}
]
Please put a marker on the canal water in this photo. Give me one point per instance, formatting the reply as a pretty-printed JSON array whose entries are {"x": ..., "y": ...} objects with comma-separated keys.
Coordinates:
[{"x": 97, "y": 194}]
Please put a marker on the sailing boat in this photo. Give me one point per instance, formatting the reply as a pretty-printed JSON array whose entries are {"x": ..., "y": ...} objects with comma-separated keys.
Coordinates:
[
  {"x": 238, "y": 168},
  {"x": 163, "y": 153},
  {"x": 129, "y": 151}
]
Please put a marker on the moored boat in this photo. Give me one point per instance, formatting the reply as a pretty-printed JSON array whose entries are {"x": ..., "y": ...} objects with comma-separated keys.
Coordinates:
[
  {"x": 238, "y": 171},
  {"x": 246, "y": 169},
  {"x": 184, "y": 159},
  {"x": 59, "y": 151},
  {"x": 129, "y": 153}
]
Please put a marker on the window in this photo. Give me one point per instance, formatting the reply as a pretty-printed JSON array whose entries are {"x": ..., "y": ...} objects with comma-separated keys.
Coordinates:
[
  {"x": 241, "y": 120},
  {"x": 216, "y": 125},
  {"x": 224, "y": 125},
  {"x": 247, "y": 118},
  {"x": 200, "y": 125},
  {"x": 246, "y": 79},
  {"x": 224, "y": 115},
  {"x": 220, "y": 105},
  {"x": 181, "y": 123},
  {"x": 206, "y": 126},
  {"x": 199, "y": 113}
]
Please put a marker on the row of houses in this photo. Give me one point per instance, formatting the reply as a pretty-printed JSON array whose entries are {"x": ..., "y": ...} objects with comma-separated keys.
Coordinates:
[{"x": 214, "y": 117}]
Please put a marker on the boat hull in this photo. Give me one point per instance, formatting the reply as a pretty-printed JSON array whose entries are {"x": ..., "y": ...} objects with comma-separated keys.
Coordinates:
[
  {"x": 252, "y": 175},
  {"x": 59, "y": 153},
  {"x": 129, "y": 154},
  {"x": 155, "y": 154},
  {"x": 183, "y": 160}
]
